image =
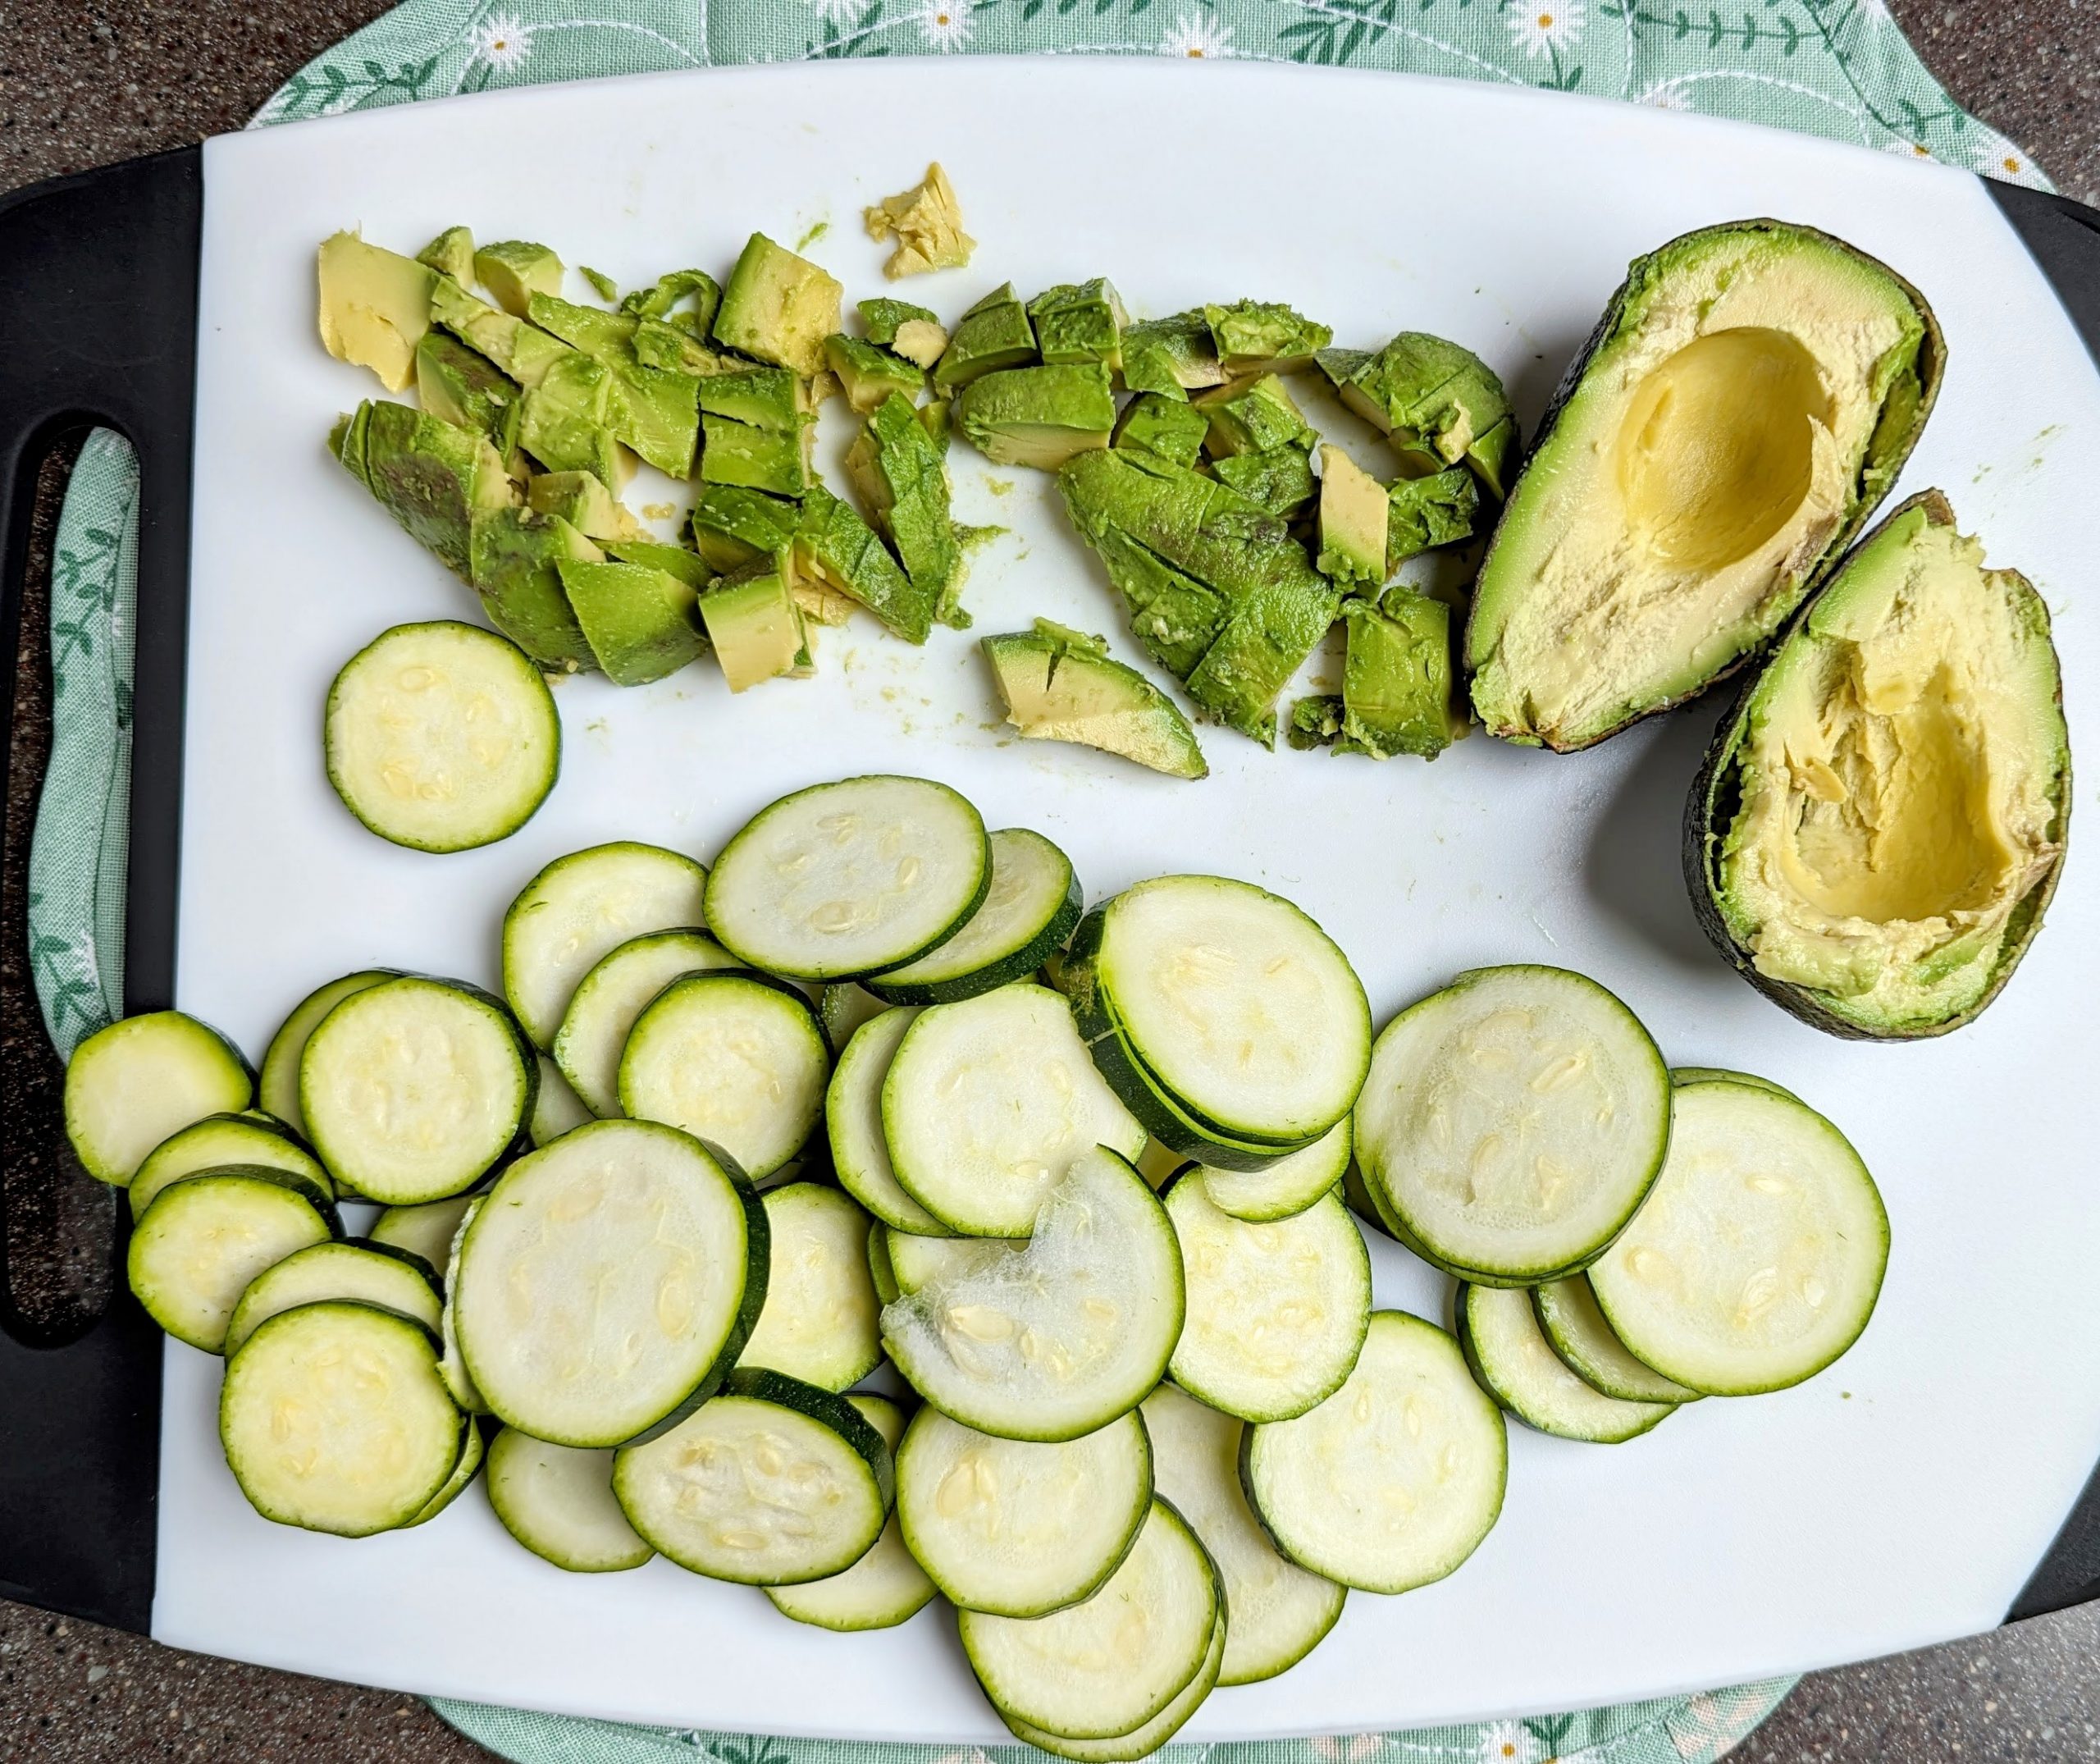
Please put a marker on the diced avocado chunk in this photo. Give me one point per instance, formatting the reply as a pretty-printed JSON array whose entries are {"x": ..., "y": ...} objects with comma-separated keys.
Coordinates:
[
  {"x": 1315, "y": 722},
  {"x": 1080, "y": 322},
  {"x": 778, "y": 306},
  {"x": 1279, "y": 479},
  {"x": 517, "y": 559},
  {"x": 1255, "y": 336},
  {"x": 463, "y": 387},
  {"x": 1173, "y": 357},
  {"x": 652, "y": 411},
  {"x": 1037, "y": 416},
  {"x": 898, "y": 469},
  {"x": 431, "y": 476},
  {"x": 1440, "y": 403},
  {"x": 921, "y": 341},
  {"x": 1423, "y": 513},
  {"x": 1253, "y": 418},
  {"x": 1173, "y": 614},
  {"x": 689, "y": 567},
  {"x": 1156, "y": 424},
  {"x": 608, "y": 336},
  {"x": 1340, "y": 365},
  {"x": 567, "y": 424},
  {"x": 451, "y": 254},
  {"x": 994, "y": 334},
  {"x": 868, "y": 375},
  {"x": 375, "y": 307},
  {"x": 1397, "y": 677},
  {"x": 667, "y": 299},
  {"x": 514, "y": 270},
  {"x": 911, "y": 332},
  {"x": 753, "y": 624},
  {"x": 602, "y": 285},
  {"x": 672, "y": 349},
  {"x": 841, "y": 552},
  {"x": 638, "y": 621},
  {"x": 524, "y": 351},
  {"x": 733, "y": 527},
  {"x": 1063, "y": 685},
  {"x": 767, "y": 398},
  {"x": 937, "y": 419},
  {"x": 773, "y": 460},
  {"x": 1353, "y": 521},
  {"x": 585, "y": 502},
  {"x": 926, "y": 223}
]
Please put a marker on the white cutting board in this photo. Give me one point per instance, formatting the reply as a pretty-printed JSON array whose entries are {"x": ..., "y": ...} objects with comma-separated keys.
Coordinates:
[{"x": 1900, "y": 1498}]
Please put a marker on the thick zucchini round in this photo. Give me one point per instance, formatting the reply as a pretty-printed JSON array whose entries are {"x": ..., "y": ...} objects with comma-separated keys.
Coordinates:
[
  {"x": 129, "y": 1086},
  {"x": 1575, "y": 1330},
  {"x": 277, "y": 1090},
  {"x": 885, "y": 1586},
  {"x": 821, "y": 1321},
  {"x": 558, "y": 1501},
  {"x": 217, "y": 1140},
  {"x": 207, "y": 1237},
  {"x": 1287, "y": 1186},
  {"x": 336, "y": 1271},
  {"x": 1516, "y": 1365},
  {"x": 1028, "y": 911},
  {"x": 602, "y": 1010},
  {"x": 853, "y": 1117}
]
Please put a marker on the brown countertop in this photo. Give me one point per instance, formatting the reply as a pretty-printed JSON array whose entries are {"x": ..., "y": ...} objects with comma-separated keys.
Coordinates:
[{"x": 82, "y": 84}]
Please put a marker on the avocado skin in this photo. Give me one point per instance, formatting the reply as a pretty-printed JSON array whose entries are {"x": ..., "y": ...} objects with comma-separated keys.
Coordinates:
[
  {"x": 1932, "y": 369},
  {"x": 1708, "y": 807}
]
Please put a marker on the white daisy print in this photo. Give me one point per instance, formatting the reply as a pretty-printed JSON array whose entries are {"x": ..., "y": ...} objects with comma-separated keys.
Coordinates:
[
  {"x": 1539, "y": 27},
  {"x": 945, "y": 23},
  {"x": 1998, "y": 158},
  {"x": 1904, "y": 149},
  {"x": 502, "y": 39},
  {"x": 1665, "y": 98},
  {"x": 1510, "y": 1742},
  {"x": 1198, "y": 38}
]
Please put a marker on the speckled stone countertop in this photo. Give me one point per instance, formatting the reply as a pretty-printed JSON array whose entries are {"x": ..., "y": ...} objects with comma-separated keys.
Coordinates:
[{"x": 82, "y": 84}]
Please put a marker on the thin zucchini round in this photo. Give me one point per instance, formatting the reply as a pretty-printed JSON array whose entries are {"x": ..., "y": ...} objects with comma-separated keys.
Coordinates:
[
  {"x": 556, "y": 1108},
  {"x": 843, "y": 1006},
  {"x": 1516, "y": 1366},
  {"x": 736, "y": 1059},
  {"x": 441, "y": 736},
  {"x": 472, "y": 1451},
  {"x": 853, "y": 1118},
  {"x": 558, "y": 1501},
  {"x": 451, "y": 1363},
  {"x": 129, "y": 1086},
  {"x": 1575, "y": 1330},
  {"x": 1027, "y": 914},
  {"x": 606, "y": 1284},
  {"x": 1757, "y": 1258},
  {"x": 885, "y": 1586},
  {"x": 914, "y": 1260},
  {"x": 333, "y": 1419},
  {"x": 331, "y": 1270},
  {"x": 601, "y": 1013},
  {"x": 212, "y": 1143},
  {"x": 1165, "y": 1120},
  {"x": 1017, "y": 1528},
  {"x": 1513, "y": 1123},
  {"x": 773, "y": 1483},
  {"x": 821, "y": 1322},
  {"x": 1277, "y": 1310},
  {"x": 427, "y": 1231},
  {"x": 1393, "y": 1480},
  {"x": 207, "y": 1237},
  {"x": 1287, "y": 1186},
  {"x": 1141, "y": 1741},
  {"x": 846, "y": 879},
  {"x": 277, "y": 1090}
]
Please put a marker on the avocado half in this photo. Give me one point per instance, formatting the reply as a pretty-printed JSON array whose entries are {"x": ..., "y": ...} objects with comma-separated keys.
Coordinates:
[
  {"x": 1743, "y": 405},
  {"x": 1881, "y": 818}
]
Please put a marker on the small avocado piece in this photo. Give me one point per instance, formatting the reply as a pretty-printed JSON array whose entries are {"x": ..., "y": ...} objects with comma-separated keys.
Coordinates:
[
  {"x": 451, "y": 254},
  {"x": 431, "y": 476},
  {"x": 1037, "y": 416},
  {"x": 911, "y": 332},
  {"x": 375, "y": 307},
  {"x": 514, "y": 270},
  {"x": 1353, "y": 522},
  {"x": 1254, "y": 418},
  {"x": 668, "y": 297},
  {"x": 607, "y": 336},
  {"x": 567, "y": 424},
  {"x": 638, "y": 621},
  {"x": 1063, "y": 685},
  {"x": 1279, "y": 479},
  {"x": 753, "y": 625},
  {"x": 524, "y": 351},
  {"x": 898, "y": 469},
  {"x": 1174, "y": 616},
  {"x": 689, "y": 567},
  {"x": 994, "y": 334},
  {"x": 1340, "y": 365},
  {"x": 602, "y": 285},
  {"x": 517, "y": 558},
  {"x": 1423, "y": 513},
  {"x": 773, "y": 460},
  {"x": 926, "y": 223},
  {"x": 463, "y": 387},
  {"x": 1173, "y": 357},
  {"x": 652, "y": 411},
  {"x": 585, "y": 502},
  {"x": 1397, "y": 691},
  {"x": 778, "y": 306},
  {"x": 1440, "y": 403},
  {"x": 671, "y": 348},
  {"x": 842, "y": 553},
  {"x": 1080, "y": 322},
  {"x": 937, "y": 419},
  {"x": 767, "y": 398},
  {"x": 1263, "y": 336},
  {"x": 868, "y": 375},
  {"x": 1881, "y": 821},
  {"x": 1315, "y": 722},
  {"x": 1156, "y": 424},
  {"x": 733, "y": 527}
]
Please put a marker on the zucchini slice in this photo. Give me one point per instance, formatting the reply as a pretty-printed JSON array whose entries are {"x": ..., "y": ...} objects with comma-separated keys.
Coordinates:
[
  {"x": 735, "y": 1058},
  {"x": 218, "y": 1140},
  {"x": 556, "y": 1107},
  {"x": 821, "y": 1320},
  {"x": 277, "y": 1090},
  {"x": 1243, "y": 1009},
  {"x": 1757, "y": 1258},
  {"x": 987, "y": 1102},
  {"x": 334, "y": 1418},
  {"x": 1575, "y": 1329},
  {"x": 206, "y": 1237},
  {"x": 427, "y": 1231},
  {"x": 578, "y": 910},
  {"x": 1279, "y": 1612},
  {"x": 452, "y": 1364},
  {"x": 886, "y": 1586},
  {"x": 1017, "y": 1528},
  {"x": 558, "y": 1501},
  {"x": 441, "y": 736},
  {"x": 1141, "y": 1741},
  {"x": 1393, "y": 1480},
  {"x": 472, "y": 1451},
  {"x": 607, "y": 1283},
  {"x": 773, "y": 1483},
  {"x": 129, "y": 1086},
  {"x": 843, "y": 1006},
  {"x": 1516, "y": 1366},
  {"x": 849, "y": 879},
  {"x": 1277, "y": 1311},
  {"x": 1513, "y": 1123},
  {"x": 412, "y": 1089},
  {"x": 1062, "y": 1336},
  {"x": 336, "y": 1271},
  {"x": 914, "y": 1260},
  {"x": 601, "y": 1013},
  {"x": 1103, "y": 1668},
  {"x": 1028, "y": 913},
  {"x": 853, "y": 1117},
  {"x": 1287, "y": 1186}
]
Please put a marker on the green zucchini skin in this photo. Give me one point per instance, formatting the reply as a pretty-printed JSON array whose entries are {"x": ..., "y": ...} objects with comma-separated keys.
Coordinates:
[{"x": 1020, "y": 965}]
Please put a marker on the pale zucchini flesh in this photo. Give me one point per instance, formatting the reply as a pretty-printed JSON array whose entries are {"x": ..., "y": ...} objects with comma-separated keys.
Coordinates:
[
  {"x": 213, "y": 1143},
  {"x": 886, "y": 1586},
  {"x": 1141, "y": 1741},
  {"x": 1289, "y": 1185},
  {"x": 1575, "y": 1330},
  {"x": 853, "y": 1121},
  {"x": 843, "y": 1006},
  {"x": 1517, "y": 1367},
  {"x": 451, "y": 1363},
  {"x": 472, "y": 1452},
  {"x": 129, "y": 1086},
  {"x": 558, "y": 1501},
  {"x": 278, "y": 1089},
  {"x": 556, "y": 1107},
  {"x": 427, "y": 1231},
  {"x": 1028, "y": 911},
  {"x": 334, "y": 1271},
  {"x": 914, "y": 1260},
  {"x": 206, "y": 1237},
  {"x": 602, "y": 1012},
  {"x": 821, "y": 1322}
]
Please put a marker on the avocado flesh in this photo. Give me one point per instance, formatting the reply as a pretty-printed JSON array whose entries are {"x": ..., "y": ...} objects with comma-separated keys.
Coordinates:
[
  {"x": 1173, "y": 357},
  {"x": 1062, "y": 685},
  {"x": 514, "y": 270},
  {"x": 1156, "y": 424},
  {"x": 734, "y": 528},
  {"x": 463, "y": 387},
  {"x": 753, "y": 625},
  {"x": 651, "y": 410},
  {"x": 1748, "y": 398},
  {"x": 566, "y": 423},
  {"x": 583, "y": 500},
  {"x": 518, "y": 554},
  {"x": 374, "y": 306},
  {"x": 1883, "y": 817},
  {"x": 776, "y": 461},
  {"x": 1279, "y": 479},
  {"x": 432, "y": 478},
  {"x": 778, "y": 307},
  {"x": 1037, "y": 417},
  {"x": 840, "y": 551},
  {"x": 524, "y": 351},
  {"x": 638, "y": 621},
  {"x": 1353, "y": 521},
  {"x": 900, "y": 472},
  {"x": 1441, "y": 404},
  {"x": 451, "y": 254},
  {"x": 868, "y": 374},
  {"x": 994, "y": 334}
]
